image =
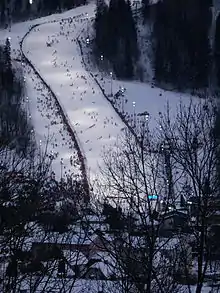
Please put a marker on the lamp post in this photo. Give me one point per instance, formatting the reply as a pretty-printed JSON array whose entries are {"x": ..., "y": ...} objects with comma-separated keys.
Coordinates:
[
  {"x": 111, "y": 83},
  {"x": 87, "y": 24},
  {"x": 61, "y": 169},
  {"x": 102, "y": 58},
  {"x": 134, "y": 104},
  {"x": 40, "y": 144},
  {"x": 122, "y": 101},
  {"x": 27, "y": 107},
  {"x": 8, "y": 15}
]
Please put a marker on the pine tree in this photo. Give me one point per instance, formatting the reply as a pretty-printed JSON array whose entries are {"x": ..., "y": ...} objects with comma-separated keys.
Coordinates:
[
  {"x": 3, "y": 11},
  {"x": 114, "y": 28},
  {"x": 8, "y": 75},
  {"x": 101, "y": 33},
  {"x": 217, "y": 50},
  {"x": 128, "y": 63},
  {"x": 113, "y": 19},
  {"x": 131, "y": 32},
  {"x": 182, "y": 53},
  {"x": 145, "y": 8},
  {"x": 68, "y": 4},
  {"x": 17, "y": 8},
  {"x": 40, "y": 7},
  {"x": 27, "y": 7}
]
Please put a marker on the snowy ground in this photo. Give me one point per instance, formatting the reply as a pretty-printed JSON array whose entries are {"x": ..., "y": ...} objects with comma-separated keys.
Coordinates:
[
  {"x": 53, "y": 50},
  {"x": 48, "y": 126},
  {"x": 95, "y": 122},
  {"x": 90, "y": 115},
  {"x": 138, "y": 97}
]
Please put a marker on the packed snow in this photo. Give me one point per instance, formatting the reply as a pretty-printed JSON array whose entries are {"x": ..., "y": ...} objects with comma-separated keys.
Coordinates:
[{"x": 53, "y": 50}]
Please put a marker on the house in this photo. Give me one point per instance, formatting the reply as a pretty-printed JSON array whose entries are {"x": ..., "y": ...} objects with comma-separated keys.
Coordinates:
[{"x": 173, "y": 221}]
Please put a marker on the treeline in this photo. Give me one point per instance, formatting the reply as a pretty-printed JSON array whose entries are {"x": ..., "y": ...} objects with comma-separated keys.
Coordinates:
[
  {"x": 13, "y": 10},
  {"x": 182, "y": 54},
  {"x": 15, "y": 125},
  {"x": 116, "y": 36},
  {"x": 182, "y": 46},
  {"x": 217, "y": 50},
  {"x": 57, "y": 5}
]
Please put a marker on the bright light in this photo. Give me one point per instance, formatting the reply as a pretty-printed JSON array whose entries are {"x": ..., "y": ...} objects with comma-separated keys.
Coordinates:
[
  {"x": 154, "y": 196},
  {"x": 31, "y": 1}
]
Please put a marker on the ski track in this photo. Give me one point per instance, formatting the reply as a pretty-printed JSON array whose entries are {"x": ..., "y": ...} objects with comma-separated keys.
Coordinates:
[
  {"x": 76, "y": 159},
  {"x": 89, "y": 114}
]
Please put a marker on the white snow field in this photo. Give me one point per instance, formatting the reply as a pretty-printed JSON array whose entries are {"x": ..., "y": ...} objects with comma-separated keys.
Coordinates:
[
  {"x": 46, "y": 121},
  {"x": 52, "y": 49},
  {"x": 89, "y": 113},
  {"x": 141, "y": 97}
]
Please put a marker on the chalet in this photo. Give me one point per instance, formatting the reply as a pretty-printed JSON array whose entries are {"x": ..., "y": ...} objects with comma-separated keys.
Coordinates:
[{"x": 173, "y": 221}]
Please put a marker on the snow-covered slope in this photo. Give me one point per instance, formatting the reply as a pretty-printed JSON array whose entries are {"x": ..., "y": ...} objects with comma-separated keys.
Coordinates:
[
  {"x": 53, "y": 50},
  {"x": 50, "y": 131},
  {"x": 94, "y": 120}
]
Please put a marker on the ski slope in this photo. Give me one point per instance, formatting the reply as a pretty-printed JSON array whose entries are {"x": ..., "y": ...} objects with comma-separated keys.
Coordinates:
[
  {"x": 90, "y": 115},
  {"x": 52, "y": 49},
  {"x": 50, "y": 131}
]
